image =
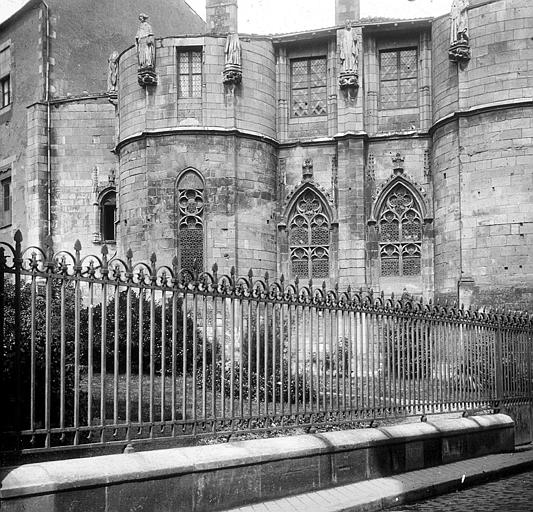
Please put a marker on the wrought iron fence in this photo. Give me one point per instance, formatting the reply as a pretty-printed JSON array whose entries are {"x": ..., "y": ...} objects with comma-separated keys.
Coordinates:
[{"x": 97, "y": 351}]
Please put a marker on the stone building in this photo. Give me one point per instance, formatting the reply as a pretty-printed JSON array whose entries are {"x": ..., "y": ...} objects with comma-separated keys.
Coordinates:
[{"x": 392, "y": 154}]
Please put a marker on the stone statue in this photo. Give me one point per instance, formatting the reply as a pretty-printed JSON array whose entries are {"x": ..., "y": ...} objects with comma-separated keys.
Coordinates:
[
  {"x": 459, "y": 21},
  {"x": 145, "y": 43},
  {"x": 233, "y": 50},
  {"x": 112, "y": 73},
  {"x": 232, "y": 74},
  {"x": 349, "y": 50}
]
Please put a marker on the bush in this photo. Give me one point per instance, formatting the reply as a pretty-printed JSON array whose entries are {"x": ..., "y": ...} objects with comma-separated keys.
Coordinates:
[
  {"x": 9, "y": 395},
  {"x": 136, "y": 302}
]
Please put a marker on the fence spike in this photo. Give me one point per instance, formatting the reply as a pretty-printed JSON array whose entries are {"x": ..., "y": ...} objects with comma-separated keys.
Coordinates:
[
  {"x": 153, "y": 258},
  {"x": 18, "y": 236},
  {"x": 282, "y": 279},
  {"x": 104, "y": 250},
  {"x": 77, "y": 245},
  {"x": 215, "y": 267},
  {"x": 232, "y": 271},
  {"x": 175, "y": 262},
  {"x": 129, "y": 254},
  {"x": 296, "y": 281},
  {"x": 250, "y": 273},
  {"x": 266, "y": 275},
  {"x": 310, "y": 283}
]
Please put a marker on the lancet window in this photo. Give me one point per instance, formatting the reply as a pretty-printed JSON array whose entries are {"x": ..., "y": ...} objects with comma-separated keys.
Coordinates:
[
  {"x": 309, "y": 237},
  {"x": 400, "y": 234},
  {"x": 108, "y": 213},
  {"x": 190, "y": 199}
]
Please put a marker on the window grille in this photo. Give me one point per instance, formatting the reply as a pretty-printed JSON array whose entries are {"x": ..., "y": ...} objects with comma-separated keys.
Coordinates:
[
  {"x": 108, "y": 211},
  {"x": 398, "y": 78},
  {"x": 308, "y": 87},
  {"x": 400, "y": 234},
  {"x": 191, "y": 222},
  {"x": 190, "y": 74},
  {"x": 5, "y": 77},
  {"x": 309, "y": 238}
]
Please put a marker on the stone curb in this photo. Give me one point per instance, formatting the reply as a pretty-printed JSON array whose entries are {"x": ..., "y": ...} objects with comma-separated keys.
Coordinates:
[{"x": 382, "y": 493}]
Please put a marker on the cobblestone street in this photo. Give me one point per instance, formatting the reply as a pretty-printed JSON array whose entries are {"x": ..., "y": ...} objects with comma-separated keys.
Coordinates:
[{"x": 514, "y": 493}]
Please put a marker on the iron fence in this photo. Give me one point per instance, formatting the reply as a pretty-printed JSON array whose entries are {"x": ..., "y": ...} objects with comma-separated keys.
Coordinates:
[{"x": 99, "y": 351}]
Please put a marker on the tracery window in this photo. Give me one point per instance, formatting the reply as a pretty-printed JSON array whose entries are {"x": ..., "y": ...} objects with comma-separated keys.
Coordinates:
[
  {"x": 191, "y": 221},
  {"x": 309, "y": 238},
  {"x": 398, "y": 78},
  {"x": 308, "y": 87},
  {"x": 400, "y": 234},
  {"x": 108, "y": 209}
]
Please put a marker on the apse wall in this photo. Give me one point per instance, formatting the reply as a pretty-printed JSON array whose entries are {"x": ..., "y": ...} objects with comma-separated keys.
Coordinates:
[
  {"x": 224, "y": 134},
  {"x": 482, "y": 158}
]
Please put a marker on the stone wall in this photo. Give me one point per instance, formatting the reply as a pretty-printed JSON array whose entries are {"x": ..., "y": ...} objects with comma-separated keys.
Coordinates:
[
  {"x": 27, "y": 85},
  {"x": 82, "y": 139},
  {"x": 250, "y": 107},
  {"x": 240, "y": 190},
  {"x": 482, "y": 185}
]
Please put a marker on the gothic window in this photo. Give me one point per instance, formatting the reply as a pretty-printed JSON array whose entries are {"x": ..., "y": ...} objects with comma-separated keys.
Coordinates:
[
  {"x": 191, "y": 221},
  {"x": 190, "y": 73},
  {"x": 5, "y": 77},
  {"x": 400, "y": 234},
  {"x": 308, "y": 87},
  {"x": 108, "y": 210},
  {"x": 398, "y": 78},
  {"x": 309, "y": 238}
]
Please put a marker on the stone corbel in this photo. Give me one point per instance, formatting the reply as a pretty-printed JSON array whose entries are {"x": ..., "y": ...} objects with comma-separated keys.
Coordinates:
[
  {"x": 232, "y": 74},
  {"x": 460, "y": 51},
  {"x": 349, "y": 81}
]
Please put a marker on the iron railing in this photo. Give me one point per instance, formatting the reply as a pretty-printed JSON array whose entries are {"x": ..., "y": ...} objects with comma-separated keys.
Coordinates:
[{"x": 99, "y": 351}]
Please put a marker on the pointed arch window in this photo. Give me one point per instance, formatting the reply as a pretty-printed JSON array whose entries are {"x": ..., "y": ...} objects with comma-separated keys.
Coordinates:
[
  {"x": 190, "y": 198},
  {"x": 309, "y": 237},
  {"x": 108, "y": 213},
  {"x": 400, "y": 234}
]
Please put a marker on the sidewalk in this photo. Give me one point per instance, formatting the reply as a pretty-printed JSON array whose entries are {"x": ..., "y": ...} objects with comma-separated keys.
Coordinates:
[{"x": 387, "y": 492}]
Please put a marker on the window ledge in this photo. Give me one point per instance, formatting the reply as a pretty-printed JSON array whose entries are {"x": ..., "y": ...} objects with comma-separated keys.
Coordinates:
[
  {"x": 4, "y": 226},
  {"x": 6, "y": 109}
]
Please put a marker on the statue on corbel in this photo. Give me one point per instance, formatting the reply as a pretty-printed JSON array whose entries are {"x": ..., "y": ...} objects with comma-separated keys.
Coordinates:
[
  {"x": 232, "y": 74},
  {"x": 349, "y": 56},
  {"x": 145, "y": 43},
  {"x": 112, "y": 77},
  {"x": 459, "y": 50}
]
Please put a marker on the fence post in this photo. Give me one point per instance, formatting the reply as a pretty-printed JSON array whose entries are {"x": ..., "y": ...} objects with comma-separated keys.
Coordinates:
[
  {"x": 498, "y": 367},
  {"x": 17, "y": 265},
  {"x": 2, "y": 305}
]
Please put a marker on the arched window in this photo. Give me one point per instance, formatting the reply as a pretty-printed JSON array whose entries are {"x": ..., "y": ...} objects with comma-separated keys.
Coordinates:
[
  {"x": 400, "y": 234},
  {"x": 108, "y": 211},
  {"x": 309, "y": 237},
  {"x": 190, "y": 199}
]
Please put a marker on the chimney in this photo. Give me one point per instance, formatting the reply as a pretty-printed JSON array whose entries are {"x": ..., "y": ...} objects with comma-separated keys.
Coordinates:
[
  {"x": 347, "y": 10},
  {"x": 221, "y": 16}
]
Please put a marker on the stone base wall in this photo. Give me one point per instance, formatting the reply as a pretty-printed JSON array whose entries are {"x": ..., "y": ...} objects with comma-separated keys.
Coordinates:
[{"x": 210, "y": 478}]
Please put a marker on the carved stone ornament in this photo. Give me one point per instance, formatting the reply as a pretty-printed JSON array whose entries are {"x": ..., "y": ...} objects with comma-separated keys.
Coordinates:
[
  {"x": 398, "y": 161},
  {"x": 307, "y": 169},
  {"x": 232, "y": 74},
  {"x": 145, "y": 43},
  {"x": 459, "y": 50},
  {"x": 348, "y": 81}
]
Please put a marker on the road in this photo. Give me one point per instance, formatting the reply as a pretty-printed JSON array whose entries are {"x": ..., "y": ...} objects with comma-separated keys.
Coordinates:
[{"x": 513, "y": 494}]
